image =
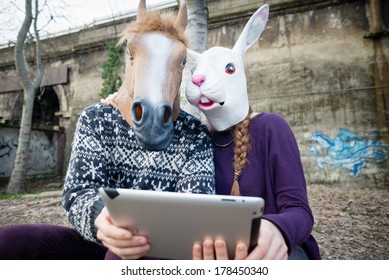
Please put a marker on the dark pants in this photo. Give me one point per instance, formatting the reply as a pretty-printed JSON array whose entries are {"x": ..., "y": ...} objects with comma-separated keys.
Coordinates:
[
  {"x": 52, "y": 242},
  {"x": 46, "y": 242}
]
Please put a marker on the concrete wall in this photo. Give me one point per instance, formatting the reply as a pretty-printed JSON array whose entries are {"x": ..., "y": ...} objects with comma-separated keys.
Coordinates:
[
  {"x": 313, "y": 65},
  {"x": 43, "y": 157},
  {"x": 84, "y": 53}
]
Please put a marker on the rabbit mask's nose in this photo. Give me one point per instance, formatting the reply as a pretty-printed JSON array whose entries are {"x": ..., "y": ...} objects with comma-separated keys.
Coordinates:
[{"x": 198, "y": 80}]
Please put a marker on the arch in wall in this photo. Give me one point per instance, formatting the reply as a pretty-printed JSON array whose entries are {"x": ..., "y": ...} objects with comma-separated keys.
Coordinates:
[
  {"x": 61, "y": 95},
  {"x": 46, "y": 104}
]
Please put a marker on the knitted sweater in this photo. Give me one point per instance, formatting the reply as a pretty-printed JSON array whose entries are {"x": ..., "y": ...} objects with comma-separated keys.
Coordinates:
[{"x": 105, "y": 153}]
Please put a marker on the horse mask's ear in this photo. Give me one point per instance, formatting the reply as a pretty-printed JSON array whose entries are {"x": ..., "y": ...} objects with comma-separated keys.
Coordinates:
[
  {"x": 182, "y": 18},
  {"x": 142, "y": 10},
  {"x": 252, "y": 30}
]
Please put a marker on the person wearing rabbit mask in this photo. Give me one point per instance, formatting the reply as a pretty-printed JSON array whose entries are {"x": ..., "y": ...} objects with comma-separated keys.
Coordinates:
[{"x": 264, "y": 155}]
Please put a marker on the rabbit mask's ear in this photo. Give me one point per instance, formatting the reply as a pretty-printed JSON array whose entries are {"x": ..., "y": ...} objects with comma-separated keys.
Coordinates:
[
  {"x": 191, "y": 54},
  {"x": 252, "y": 30}
]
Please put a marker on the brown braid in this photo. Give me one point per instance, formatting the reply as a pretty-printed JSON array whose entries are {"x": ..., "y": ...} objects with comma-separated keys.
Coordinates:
[{"x": 241, "y": 148}]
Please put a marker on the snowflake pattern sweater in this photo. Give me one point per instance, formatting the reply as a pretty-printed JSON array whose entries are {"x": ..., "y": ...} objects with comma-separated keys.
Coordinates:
[{"x": 105, "y": 153}]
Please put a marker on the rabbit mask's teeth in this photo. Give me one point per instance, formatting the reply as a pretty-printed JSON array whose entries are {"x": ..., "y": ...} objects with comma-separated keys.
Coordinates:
[
  {"x": 207, "y": 104},
  {"x": 204, "y": 103},
  {"x": 203, "y": 99}
]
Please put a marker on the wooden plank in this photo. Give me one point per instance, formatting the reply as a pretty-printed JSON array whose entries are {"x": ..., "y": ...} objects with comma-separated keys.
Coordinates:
[{"x": 52, "y": 76}]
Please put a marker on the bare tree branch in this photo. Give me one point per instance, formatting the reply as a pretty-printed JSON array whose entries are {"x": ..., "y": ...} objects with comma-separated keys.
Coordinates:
[
  {"x": 38, "y": 54},
  {"x": 20, "y": 58}
]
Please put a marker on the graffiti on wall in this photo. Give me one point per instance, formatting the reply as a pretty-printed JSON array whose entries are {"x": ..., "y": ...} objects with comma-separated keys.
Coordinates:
[
  {"x": 42, "y": 157},
  {"x": 7, "y": 146},
  {"x": 348, "y": 150}
]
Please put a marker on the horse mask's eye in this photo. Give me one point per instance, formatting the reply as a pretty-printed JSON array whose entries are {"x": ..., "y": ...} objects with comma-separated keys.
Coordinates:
[
  {"x": 230, "y": 68},
  {"x": 184, "y": 62},
  {"x": 129, "y": 54}
]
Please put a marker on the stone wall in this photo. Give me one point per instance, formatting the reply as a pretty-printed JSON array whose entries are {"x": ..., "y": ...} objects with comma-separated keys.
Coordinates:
[
  {"x": 43, "y": 157},
  {"x": 318, "y": 64},
  {"x": 314, "y": 65}
]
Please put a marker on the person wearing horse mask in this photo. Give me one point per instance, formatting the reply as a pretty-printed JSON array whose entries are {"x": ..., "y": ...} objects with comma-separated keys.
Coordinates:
[
  {"x": 256, "y": 154},
  {"x": 146, "y": 142}
]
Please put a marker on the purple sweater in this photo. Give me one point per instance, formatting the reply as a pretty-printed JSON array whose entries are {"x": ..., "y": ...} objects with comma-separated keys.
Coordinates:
[{"x": 275, "y": 173}]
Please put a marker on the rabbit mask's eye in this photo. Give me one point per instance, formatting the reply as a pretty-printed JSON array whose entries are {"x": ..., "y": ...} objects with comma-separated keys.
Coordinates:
[{"x": 230, "y": 68}]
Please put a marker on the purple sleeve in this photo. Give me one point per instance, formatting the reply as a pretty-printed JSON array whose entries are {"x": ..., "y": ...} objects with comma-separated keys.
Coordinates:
[{"x": 294, "y": 218}]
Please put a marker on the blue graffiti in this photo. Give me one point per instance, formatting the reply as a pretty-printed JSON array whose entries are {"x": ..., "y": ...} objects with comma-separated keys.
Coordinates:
[
  {"x": 348, "y": 150},
  {"x": 6, "y": 147}
]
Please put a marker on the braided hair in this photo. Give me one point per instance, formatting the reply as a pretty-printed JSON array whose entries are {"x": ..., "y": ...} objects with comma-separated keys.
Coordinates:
[{"x": 241, "y": 148}]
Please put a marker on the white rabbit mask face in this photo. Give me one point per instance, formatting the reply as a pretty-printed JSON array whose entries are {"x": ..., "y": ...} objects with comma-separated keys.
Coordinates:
[
  {"x": 218, "y": 84},
  {"x": 218, "y": 87}
]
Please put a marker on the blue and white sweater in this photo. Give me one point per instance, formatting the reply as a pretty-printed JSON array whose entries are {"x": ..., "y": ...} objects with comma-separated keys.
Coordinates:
[{"x": 105, "y": 153}]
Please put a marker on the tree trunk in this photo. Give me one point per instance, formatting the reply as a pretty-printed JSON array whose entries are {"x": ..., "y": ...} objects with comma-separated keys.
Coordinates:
[
  {"x": 197, "y": 29},
  {"x": 197, "y": 34},
  {"x": 30, "y": 84},
  {"x": 17, "y": 181}
]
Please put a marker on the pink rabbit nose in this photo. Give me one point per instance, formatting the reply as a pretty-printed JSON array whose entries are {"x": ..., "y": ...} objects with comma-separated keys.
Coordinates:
[{"x": 198, "y": 80}]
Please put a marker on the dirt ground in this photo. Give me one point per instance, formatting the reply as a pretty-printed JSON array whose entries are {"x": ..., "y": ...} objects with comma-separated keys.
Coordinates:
[{"x": 350, "y": 224}]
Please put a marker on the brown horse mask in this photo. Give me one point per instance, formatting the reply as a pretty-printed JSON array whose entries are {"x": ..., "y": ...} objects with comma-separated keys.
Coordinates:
[{"x": 149, "y": 97}]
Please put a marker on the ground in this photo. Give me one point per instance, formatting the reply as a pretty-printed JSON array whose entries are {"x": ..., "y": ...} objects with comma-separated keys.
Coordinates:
[{"x": 350, "y": 223}]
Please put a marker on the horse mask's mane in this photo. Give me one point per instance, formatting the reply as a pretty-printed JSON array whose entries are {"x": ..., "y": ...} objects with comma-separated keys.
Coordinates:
[{"x": 155, "y": 21}]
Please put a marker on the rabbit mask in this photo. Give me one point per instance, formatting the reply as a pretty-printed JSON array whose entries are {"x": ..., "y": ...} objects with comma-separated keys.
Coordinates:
[{"x": 218, "y": 84}]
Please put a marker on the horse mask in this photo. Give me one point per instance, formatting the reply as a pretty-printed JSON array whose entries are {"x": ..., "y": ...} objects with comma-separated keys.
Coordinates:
[{"x": 148, "y": 99}]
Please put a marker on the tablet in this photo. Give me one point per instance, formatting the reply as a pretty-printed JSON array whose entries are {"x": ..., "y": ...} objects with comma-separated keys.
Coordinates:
[{"x": 174, "y": 221}]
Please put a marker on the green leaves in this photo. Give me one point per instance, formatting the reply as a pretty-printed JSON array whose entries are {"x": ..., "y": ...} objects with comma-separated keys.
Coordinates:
[{"x": 111, "y": 70}]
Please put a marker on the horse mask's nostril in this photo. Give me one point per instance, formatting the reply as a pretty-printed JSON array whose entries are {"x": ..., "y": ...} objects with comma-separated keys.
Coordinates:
[
  {"x": 138, "y": 112},
  {"x": 166, "y": 114}
]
